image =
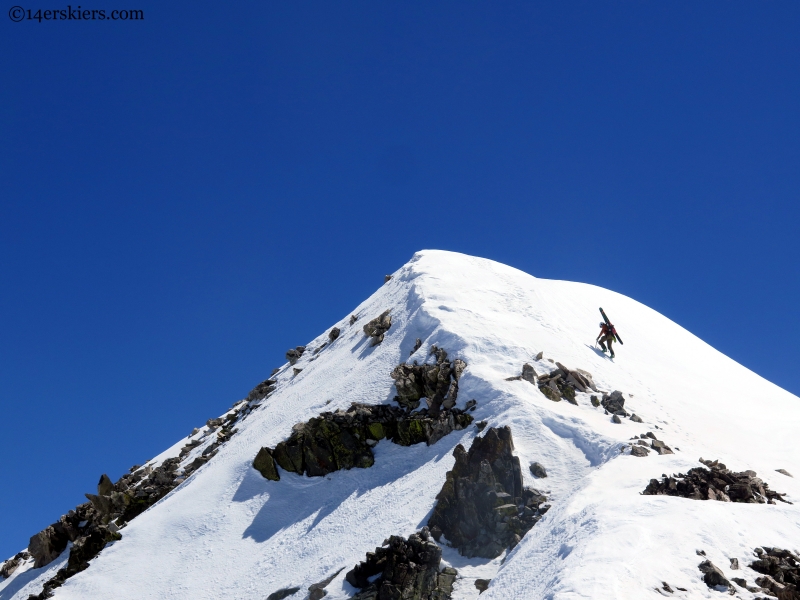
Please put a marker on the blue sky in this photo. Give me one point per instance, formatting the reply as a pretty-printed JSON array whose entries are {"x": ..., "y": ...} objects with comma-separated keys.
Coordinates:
[{"x": 184, "y": 198}]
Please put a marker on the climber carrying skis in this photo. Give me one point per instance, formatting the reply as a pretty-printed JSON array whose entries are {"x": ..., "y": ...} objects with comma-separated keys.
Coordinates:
[{"x": 608, "y": 334}]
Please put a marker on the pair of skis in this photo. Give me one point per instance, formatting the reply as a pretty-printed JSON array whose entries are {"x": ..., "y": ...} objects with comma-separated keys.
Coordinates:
[{"x": 610, "y": 326}]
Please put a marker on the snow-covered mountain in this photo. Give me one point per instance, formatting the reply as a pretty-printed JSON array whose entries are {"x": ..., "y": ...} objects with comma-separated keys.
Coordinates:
[{"x": 226, "y": 531}]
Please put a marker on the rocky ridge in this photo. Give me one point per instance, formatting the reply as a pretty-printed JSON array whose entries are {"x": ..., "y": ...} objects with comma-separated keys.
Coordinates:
[{"x": 716, "y": 482}]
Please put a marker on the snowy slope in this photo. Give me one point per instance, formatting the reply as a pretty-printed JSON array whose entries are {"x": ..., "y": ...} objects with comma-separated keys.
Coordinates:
[{"x": 228, "y": 532}]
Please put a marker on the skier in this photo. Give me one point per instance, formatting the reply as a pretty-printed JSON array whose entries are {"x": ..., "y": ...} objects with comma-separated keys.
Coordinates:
[{"x": 607, "y": 334}]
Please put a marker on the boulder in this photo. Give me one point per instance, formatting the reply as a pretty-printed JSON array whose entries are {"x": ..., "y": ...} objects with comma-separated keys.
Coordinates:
[
  {"x": 482, "y": 585},
  {"x": 265, "y": 464},
  {"x": 353, "y": 319},
  {"x": 283, "y": 593},
  {"x": 294, "y": 354},
  {"x": 262, "y": 390},
  {"x": 333, "y": 333},
  {"x": 712, "y": 575},
  {"x": 637, "y": 450},
  {"x": 614, "y": 403},
  {"x": 538, "y": 470},
  {"x": 378, "y": 326}
]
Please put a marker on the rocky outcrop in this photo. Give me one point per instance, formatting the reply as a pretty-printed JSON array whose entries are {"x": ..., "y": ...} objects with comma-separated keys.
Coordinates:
[
  {"x": 406, "y": 569},
  {"x": 482, "y": 508},
  {"x": 715, "y": 483},
  {"x": 563, "y": 383},
  {"x": 378, "y": 327},
  {"x": 262, "y": 390},
  {"x": 437, "y": 383},
  {"x": 344, "y": 439},
  {"x": 642, "y": 445},
  {"x": 294, "y": 354},
  {"x": 12, "y": 564},
  {"x": 780, "y": 570}
]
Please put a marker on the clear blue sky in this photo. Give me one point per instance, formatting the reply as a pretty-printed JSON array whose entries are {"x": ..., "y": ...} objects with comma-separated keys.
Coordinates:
[{"x": 184, "y": 198}]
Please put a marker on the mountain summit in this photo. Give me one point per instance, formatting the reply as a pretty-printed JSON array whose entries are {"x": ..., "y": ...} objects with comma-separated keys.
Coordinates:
[{"x": 458, "y": 434}]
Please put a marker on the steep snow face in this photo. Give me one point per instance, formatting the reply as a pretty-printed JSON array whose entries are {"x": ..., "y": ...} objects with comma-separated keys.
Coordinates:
[{"x": 228, "y": 532}]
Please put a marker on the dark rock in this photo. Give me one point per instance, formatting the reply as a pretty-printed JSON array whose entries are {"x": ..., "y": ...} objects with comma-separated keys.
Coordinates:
[
  {"x": 343, "y": 439},
  {"x": 739, "y": 581},
  {"x": 265, "y": 464},
  {"x": 387, "y": 278},
  {"x": 378, "y": 326},
  {"x": 434, "y": 382},
  {"x": 712, "y": 575},
  {"x": 666, "y": 587},
  {"x": 714, "y": 483},
  {"x": 538, "y": 470},
  {"x": 296, "y": 371},
  {"x": 595, "y": 401},
  {"x": 552, "y": 394},
  {"x": 636, "y": 419},
  {"x": 784, "y": 472},
  {"x": 406, "y": 568},
  {"x": 317, "y": 590},
  {"x": 569, "y": 393},
  {"x": 529, "y": 373},
  {"x": 470, "y": 405},
  {"x": 482, "y": 507},
  {"x": 47, "y": 545},
  {"x": 294, "y": 354},
  {"x": 482, "y": 585},
  {"x": 481, "y": 425},
  {"x": 283, "y": 593},
  {"x": 353, "y": 319},
  {"x": 616, "y": 419},
  {"x": 333, "y": 333},
  {"x": 417, "y": 346},
  {"x": 614, "y": 403},
  {"x": 781, "y": 570},
  {"x": 639, "y": 451},
  {"x": 104, "y": 486},
  {"x": 262, "y": 390},
  {"x": 660, "y": 447},
  {"x": 12, "y": 564},
  {"x": 734, "y": 564}
]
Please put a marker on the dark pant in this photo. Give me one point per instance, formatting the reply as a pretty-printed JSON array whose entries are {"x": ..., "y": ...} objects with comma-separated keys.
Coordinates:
[{"x": 609, "y": 339}]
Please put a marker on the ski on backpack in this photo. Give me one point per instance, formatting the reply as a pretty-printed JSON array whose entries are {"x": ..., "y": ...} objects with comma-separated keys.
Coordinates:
[{"x": 613, "y": 329}]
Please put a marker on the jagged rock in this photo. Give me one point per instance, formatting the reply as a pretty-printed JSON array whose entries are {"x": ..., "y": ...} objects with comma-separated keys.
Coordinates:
[
  {"x": 262, "y": 390},
  {"x": 434, "y": 382},
  {"x": 538, "y": 470},
  {"x": 540, "y": 355},
  {"x": 639, "y": 451},
  {"x": 529, "y": 373},
  {"x": 343, "y": 439},
  {"x": 734, "y": 564},
  {"x": 387, "y": 278},
  {"x": 283, "y": 593},
  {"x": 715, "y": 483},
  {"x": 333, "y": 334},
  {"x": 353, "y": 319},
  {"x": 660, "y": 447},
  {"x": 739, "y": 581},
  {"x": 294, "y": 354},
  {"x": 406, "y": 569},
  {"x": 482, "y": 584},
  {"x": 13, "y": 563},
  {"x": 712, "y": 575},
  {"x": 378, "y": 326},
  {"x": 417, "y": 346},
  {"x": 482, "y": 507},
  {"x": 614, "y": 403},
  {"x": 784, "y": 472},
  {"x": 481, "y": 425},
  {"x": 48, "y": 544},
  {"x": 317, "y": 590},
  {"x": 470, "y": 405},
  {"x": 265, "y": 464},
  {"x": 296, "y": 371},
  {"x": 104, "y": 486}
]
